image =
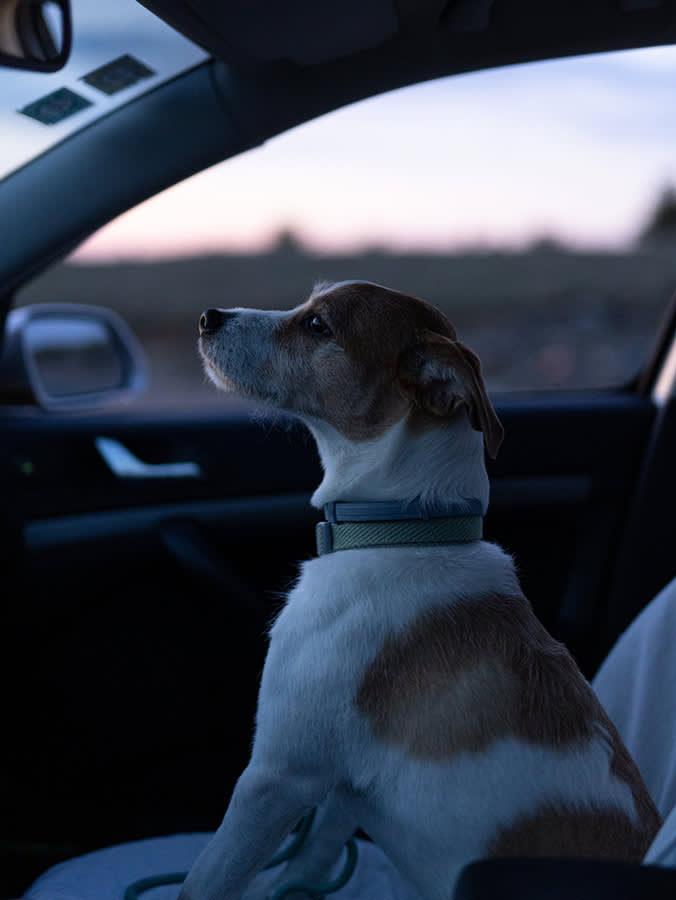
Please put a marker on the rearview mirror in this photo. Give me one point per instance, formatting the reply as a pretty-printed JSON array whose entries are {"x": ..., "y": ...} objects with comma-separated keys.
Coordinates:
[
  {"x": 67, "y": 356},
  {"x": 35, "y": 34}
]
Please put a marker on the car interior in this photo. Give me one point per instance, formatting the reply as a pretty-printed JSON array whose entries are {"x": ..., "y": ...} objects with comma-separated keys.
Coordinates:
[{"x": 144, "y": 553}]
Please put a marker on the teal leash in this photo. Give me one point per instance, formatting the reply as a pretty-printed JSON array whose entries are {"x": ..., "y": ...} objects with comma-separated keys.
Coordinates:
[
  {"x": 299, "y": 839},
  {"x": 313, "y": 888},
  {"x": 318, "y": 889}
]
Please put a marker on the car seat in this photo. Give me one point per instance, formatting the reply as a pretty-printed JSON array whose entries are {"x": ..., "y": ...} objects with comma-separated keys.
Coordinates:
[
  {"x": 637, "y": 686},
  {"x": 106, "y": 874}
]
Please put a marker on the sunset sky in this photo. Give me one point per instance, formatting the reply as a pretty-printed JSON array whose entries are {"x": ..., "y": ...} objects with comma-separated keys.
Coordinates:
[{"x": 578, "y": 150}]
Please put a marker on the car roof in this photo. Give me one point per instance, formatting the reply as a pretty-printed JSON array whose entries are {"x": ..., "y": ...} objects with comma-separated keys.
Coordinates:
[{"x": 468, "y": 34}]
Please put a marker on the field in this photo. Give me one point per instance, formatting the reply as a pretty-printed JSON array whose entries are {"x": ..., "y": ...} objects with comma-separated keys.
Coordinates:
[{"x": 544, "y": 318}]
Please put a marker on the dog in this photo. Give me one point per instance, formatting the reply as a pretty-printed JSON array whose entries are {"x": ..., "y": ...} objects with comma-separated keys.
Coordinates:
[{"x": 408, "y": 690}]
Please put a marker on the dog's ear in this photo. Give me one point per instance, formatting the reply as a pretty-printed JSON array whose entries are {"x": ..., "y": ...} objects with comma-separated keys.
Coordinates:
[{"x": 440, "y": 376}]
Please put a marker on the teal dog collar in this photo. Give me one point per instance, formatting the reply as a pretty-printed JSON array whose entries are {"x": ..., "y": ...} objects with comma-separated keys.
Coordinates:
[{"x": 353, "y": 525}]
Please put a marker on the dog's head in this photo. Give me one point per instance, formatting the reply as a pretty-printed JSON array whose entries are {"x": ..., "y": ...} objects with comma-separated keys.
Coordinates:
[{"x": 356, "y": 355}]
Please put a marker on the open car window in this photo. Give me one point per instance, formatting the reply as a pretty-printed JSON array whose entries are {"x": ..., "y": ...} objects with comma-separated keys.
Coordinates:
[{"x": 530, "y": 203}]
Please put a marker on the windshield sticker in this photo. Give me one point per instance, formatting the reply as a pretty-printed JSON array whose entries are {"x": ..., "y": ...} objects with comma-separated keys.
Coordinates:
[
  {"x": 117, "y": 75},
  {"x": 56, "y": 107}
]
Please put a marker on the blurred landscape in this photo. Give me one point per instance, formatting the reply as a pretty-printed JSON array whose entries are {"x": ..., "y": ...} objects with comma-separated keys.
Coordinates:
[{"x": 545, "y": 317}]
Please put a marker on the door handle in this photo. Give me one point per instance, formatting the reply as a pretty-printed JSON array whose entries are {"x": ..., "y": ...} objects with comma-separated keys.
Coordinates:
[{"x": 123, "y": 464}]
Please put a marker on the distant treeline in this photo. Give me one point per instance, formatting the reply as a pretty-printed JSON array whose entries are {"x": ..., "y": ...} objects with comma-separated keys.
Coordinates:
[
  {"x": 545, "y": 316},
  {"x": 171, "y": 294}
]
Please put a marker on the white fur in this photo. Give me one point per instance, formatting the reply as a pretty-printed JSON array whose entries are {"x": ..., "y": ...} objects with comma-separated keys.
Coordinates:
[
  {"x": 443, "y": 465},
  {"x": 246, "y": 356}
]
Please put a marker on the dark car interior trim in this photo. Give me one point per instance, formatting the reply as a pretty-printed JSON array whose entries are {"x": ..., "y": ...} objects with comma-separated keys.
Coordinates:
[
  {"x": 49, "y": 217},
  {"x": 647, "y": 550}
]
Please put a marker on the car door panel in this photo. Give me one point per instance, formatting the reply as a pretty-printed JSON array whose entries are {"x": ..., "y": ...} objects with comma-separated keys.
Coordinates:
[{"x": 138, "y": 608}]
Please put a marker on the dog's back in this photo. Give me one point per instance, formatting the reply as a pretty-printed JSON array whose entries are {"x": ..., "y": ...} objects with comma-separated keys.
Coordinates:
[{"x": 462, "y": 728}]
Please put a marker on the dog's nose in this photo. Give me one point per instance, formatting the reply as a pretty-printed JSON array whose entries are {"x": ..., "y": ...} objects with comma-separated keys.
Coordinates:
[{"x": 212, "y": 319}]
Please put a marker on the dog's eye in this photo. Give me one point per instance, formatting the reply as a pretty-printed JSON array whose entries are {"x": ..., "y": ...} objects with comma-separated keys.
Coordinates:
[{"x": 316, "y": 326}]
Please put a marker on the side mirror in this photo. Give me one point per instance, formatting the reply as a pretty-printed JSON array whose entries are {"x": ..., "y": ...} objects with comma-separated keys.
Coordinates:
[
  {"x": 67, "y": 357},
  {"x": 35, "y": 34}
]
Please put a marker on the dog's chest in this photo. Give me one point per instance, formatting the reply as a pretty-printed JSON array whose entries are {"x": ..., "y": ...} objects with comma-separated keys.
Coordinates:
[{"x": 326, "y": 632}]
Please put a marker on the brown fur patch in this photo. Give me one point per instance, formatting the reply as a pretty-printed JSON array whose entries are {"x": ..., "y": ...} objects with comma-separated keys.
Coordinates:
[
  {"x": 470, "y": 673},
  {"x": 443, "y": 376},
  {"x": 351, "y": 378},
  {"x": 561, "y": 831},
  {"x": 388, "y": 355}
]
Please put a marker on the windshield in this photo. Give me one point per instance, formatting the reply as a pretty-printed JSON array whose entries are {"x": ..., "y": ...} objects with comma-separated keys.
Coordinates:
[{"x": 120, "y": 50}]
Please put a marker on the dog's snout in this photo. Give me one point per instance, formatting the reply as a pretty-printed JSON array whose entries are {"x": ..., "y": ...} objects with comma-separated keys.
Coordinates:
[{"x": 213, "y": 319}]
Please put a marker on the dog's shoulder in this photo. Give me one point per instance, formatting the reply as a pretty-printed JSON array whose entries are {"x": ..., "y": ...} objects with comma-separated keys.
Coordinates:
[{"x": 346, "y": 606}]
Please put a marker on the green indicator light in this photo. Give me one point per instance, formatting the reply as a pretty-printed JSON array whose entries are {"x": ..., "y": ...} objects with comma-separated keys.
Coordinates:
[{"x": 27, "y": 467}]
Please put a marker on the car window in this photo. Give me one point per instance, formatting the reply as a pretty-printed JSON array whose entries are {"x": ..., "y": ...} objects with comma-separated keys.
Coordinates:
[{"x": 531, "y": 203}]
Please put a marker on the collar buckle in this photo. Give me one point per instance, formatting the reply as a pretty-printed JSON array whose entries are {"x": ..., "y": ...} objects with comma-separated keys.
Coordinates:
[{"x": 324, "y": 538}]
